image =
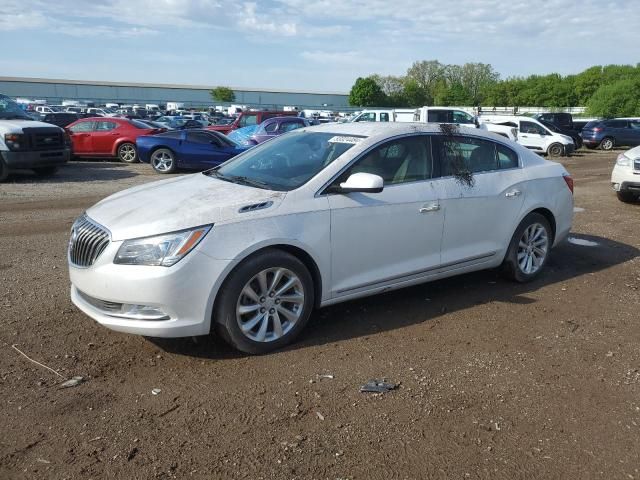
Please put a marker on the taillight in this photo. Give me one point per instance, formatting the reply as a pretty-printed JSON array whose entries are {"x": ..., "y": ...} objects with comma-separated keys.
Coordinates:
[
  {"x": 569, "y": 181},
  {"x": 597, "y": 129}
]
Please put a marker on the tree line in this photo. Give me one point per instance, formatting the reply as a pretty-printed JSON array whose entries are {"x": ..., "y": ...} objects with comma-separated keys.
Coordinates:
[{"x": 606, "y": 91}]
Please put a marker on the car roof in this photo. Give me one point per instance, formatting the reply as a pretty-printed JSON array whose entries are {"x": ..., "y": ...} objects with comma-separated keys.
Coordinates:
[{"x": 389, "y": 129}]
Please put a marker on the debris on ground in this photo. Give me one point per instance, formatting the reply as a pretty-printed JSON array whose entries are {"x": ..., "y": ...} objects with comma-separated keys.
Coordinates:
[
  {"x": 156, "y": 391},
  {"x": 320, "y": 416},
  {"x": 72, "y": 382},
  {"x": 377, "y": 386}
]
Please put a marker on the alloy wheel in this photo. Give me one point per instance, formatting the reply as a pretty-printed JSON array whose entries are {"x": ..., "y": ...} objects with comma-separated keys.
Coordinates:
[
  {"x": 533, "y": 248},
  {"x": 162, "y": 161},
  {"x": 607, "y": 144},
  {"x": 127, "y": 153},
  {"x": 270, "y": 304}
]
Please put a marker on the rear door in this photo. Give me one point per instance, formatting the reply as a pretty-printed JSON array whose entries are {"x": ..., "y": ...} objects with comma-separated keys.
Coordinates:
[
  {"x": 483, "y": 190},
  {"x": 80, "y": 134},
  {"x": 104, "y": 137},
  {"x": 634, "y": 132}
]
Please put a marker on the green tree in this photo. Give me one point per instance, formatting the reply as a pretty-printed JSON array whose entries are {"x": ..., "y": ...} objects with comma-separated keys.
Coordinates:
[
  {"x": 619, "y": 99},
  {"x": 366, "y": 93},
  {"x": 223, "y": 94}
]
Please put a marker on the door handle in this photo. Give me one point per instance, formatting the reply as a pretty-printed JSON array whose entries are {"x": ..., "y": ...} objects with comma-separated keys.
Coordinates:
[
  {"x": 513, "y": 193},
  {"x": 434, "y": 207}
]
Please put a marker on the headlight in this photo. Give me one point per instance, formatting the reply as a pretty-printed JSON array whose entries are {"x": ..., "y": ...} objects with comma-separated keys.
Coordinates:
[
  {"x": 623, "y": 160},
  {"x": 164, "y": 250},
  {"x": 14, "y": 140}
]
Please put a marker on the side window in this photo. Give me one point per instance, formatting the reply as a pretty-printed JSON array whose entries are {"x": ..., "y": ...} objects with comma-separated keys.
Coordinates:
[
  {"x": 384, "y": 117},
  {"x": 459, "y": 154},
  {"x": 82, "y": 127},
  {"x": 247, "y": 120},
  {"x": 507, "y": 158},
  {"x": 271, "y": 127},
  {"x": 399, "y": 161},
  {"x": 635, "y": 125},
  {"x": 367, "y": 117},
  {"x": 105, "y": 126},
  {"x": 439, "y": 116},
  {"x": 462, "y": 117},
  {"x": 616, "y": 124},
  {"x": 533, "y": 128},
  {"x": 288, "y": 126},
  {"x": 201, "y": 138}
]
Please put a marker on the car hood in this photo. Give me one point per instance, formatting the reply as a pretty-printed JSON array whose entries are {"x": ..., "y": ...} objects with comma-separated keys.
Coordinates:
[
  {"x": 178, "y": 204},
  {"x": 16, "y": 126}
]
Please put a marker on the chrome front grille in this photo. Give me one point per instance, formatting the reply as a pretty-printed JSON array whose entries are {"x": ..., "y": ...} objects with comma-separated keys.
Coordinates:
[{"x": 88, "y": 241}]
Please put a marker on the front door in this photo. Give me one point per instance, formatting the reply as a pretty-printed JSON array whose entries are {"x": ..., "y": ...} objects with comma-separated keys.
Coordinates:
[
  {"x": 532, "y": 135},
  {"x": 385, "y": 238},
  {"x": 203, "y": 150},
  {"x": 80, "y": 134}
]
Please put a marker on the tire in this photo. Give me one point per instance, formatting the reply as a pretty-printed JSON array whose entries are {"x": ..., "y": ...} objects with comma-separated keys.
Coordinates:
[
  {"x": 245, "y": 308},
  {"x": 4, "y": 170},
  {"x": 127, "y": 153},
  {"x": 555, "y": 150},
  {"x": 163, "y": 161},
  {"x": 532, "y": 240},
  {"x": 626, "y": 197},
  {"x": 45, "y": 171},
  {"x": 607, "y": 143}
]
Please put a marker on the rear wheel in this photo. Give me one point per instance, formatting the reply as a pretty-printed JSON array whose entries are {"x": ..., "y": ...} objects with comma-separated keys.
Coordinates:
[
  {"x": 626, "y": 197},
  {"x": 529, "y": 249},
  {"x": 555, "y": 150},
  {"x": 265, "y": 303},
  {"x": 163, "y": 160},
  {"x": 606, "y": 143},
  {"x": 127, "y": 153},
  {"x": 45, "y": 171}
]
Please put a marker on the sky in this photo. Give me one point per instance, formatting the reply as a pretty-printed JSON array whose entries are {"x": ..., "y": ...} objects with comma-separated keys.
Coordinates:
[{"x": 310, "y": 45}]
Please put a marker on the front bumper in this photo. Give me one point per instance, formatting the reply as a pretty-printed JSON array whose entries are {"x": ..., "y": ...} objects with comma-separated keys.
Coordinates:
[
  {"x": 184, "y": 292},
  {"x": 34, "y": 159},
  {"x": 625, "y": 179}
]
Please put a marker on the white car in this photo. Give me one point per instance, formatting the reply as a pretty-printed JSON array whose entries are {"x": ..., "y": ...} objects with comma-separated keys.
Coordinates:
[
  {"x": 625, "y": 178},
  {"x": 318, "y": 216},
  {"x": 533, "y": 134}
]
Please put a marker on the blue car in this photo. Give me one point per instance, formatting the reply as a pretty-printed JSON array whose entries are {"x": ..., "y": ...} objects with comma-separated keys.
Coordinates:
[
  {"x": 608, "y": 134},
  {"x": 189, "y": 149}
]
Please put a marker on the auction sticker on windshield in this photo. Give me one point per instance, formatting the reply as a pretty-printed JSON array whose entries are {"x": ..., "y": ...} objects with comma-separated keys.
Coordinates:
[{"x": 341, "y": 139}]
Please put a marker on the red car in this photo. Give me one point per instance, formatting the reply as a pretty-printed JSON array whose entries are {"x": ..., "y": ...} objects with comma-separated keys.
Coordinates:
[
  {"x": 248, "y": 118},
  {"x": 108, "y": 137}
]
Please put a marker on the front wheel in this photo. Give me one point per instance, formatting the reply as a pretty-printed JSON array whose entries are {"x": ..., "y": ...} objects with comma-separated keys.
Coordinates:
[
  {"x": 163, "y": 160},
  {"x": 127, "y": 153},
  {"x": 45, "y": 171},
  {"x": 4, "y": 170},
  {"x": 265, "y": 303},
  {"x": 606, "y": 143},
  {"x": 626, "y": 197},
  {"x": 555, "y": 150},
  {"x": 529, "y": 249}
]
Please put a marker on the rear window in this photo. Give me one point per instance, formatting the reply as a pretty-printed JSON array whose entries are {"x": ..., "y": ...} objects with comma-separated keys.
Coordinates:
[
  {"x": 138, "y": 124},
  {"x": 592, "y": 124}
]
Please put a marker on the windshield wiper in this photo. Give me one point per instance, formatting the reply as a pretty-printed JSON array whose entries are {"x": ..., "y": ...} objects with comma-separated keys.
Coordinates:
[{"x": 239, "y": 179}]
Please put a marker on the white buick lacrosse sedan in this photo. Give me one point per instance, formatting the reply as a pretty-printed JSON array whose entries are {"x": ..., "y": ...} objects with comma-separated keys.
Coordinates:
[{"x": 315, "y": 217}]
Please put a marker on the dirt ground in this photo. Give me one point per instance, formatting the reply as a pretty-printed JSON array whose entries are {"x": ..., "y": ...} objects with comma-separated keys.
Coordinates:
[{"x": 497, "y": 380}]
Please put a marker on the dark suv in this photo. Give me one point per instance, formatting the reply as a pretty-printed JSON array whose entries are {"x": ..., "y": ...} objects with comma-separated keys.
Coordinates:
[
  {"x": 611, "y": 133},
  {"x": 564, "y": 121},
  {"x": 61, "y": 119}
]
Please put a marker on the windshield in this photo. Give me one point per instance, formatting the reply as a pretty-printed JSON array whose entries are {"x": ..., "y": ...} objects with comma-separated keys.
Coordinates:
[
  {"x": 287, "y": 162},
  {"x": 11, "y": 110}
]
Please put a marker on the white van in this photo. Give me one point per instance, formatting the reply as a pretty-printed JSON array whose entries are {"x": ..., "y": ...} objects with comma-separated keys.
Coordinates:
[{"x": 533, "y": 134}]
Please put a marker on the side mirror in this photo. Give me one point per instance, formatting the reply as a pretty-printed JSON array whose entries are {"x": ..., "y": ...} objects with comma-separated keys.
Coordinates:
[{"x": 362, "y": 182}]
